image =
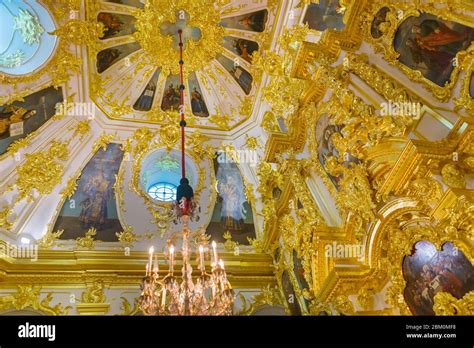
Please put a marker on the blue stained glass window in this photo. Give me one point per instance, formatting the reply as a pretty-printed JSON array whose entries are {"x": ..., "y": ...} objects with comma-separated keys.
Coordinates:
[{"x": 163, "y": 191}]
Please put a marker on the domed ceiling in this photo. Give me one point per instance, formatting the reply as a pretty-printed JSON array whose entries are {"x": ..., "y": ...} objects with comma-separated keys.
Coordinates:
[{"x": 134, "y": 66}]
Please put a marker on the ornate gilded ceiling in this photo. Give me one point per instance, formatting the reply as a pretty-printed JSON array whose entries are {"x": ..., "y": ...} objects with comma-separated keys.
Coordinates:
[
  {"x": 133, "y": 67},
  {"x": 311, "y": 89}
]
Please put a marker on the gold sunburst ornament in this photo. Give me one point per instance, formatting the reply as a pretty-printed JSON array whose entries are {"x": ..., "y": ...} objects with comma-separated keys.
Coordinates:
[{"x": 159, "y": 48}]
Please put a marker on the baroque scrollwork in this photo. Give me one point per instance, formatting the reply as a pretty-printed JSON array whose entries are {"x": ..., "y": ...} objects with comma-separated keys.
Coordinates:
[
  {"x": 42, "y": 170},
  {"x": 28, "y": 297},
  {"x": 269, "y": 296},
  {"x": 447, "y": 304}
]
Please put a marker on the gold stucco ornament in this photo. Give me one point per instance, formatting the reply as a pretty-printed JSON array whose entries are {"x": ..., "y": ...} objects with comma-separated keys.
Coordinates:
[
  {"x": 159, "y": 48},
  {"x": 447, "y": 304}
]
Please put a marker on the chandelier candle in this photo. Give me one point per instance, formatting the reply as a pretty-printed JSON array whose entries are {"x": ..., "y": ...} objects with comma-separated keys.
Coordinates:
[
  {"x": 155, "y": 267},
  {"x": 171, "y": 259},
  {"x": 201, "y": 258},
  {"x": 151, "y": 257},
  {"x": 214, "y": 252}
]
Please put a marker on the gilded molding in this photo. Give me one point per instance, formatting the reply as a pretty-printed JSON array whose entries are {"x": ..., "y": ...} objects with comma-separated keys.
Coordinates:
[
  {"x": 269, "y": 296},
  {"x": 28, "y": 297},
  {"x": 41, "y": 171},
  {"x": 447, "y": 304}
]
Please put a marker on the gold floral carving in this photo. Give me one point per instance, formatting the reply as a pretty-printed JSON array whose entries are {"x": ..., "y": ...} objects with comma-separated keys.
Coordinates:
[
  {"x": 343, "y": 305},
  {"x": 87, "y": 242},
  {"x": 118, "y": 184},
  {"x": 79, "y": 32},
  {"x": 158, "y": 47},
  {"x": 269, "y": 296},
  {"x": 366, "y": 298},
  {"x": 169, "y": 136},
  {"x": 4, "y": 220},
  {"x": 127, "y": 309},
  {"x": 19, "y": 144},
  {"x": 94, "y": 293},
  {"x": 82, "y": 129},
  {"x": 229, "y": 244},
  {"x": 64, "y": 8},
  {"x": 357, "y": 194},
  {"x": 196, "y": 141},
  {"x": 257, "y": 244},
  {"x": 127, "y": 237},
  {"x": 381, "y": 82},
  {"x": 28, "y": 297},
  {"x": 466, "y": 100},
  {"x": 49, "y": 239},
  {"x": 251, "y": 143},
  {"x": 71, "y": 187},
  {"x": 453, "y": 176},
  {"x": 42, "y": 170},
  {"x": 447, "y": 304},
  {"x": 427, "y": 191},
  {"x": 102, "y": 142}
]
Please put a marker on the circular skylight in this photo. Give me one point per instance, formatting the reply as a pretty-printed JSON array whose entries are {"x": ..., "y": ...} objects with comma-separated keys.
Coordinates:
[
  {"x": 160, "y": 174},
  {"x": 163, "y": 191}
]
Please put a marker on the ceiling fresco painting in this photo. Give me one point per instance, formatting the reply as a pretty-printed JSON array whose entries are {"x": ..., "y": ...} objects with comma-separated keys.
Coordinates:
[{"x": 210, "y": 38}]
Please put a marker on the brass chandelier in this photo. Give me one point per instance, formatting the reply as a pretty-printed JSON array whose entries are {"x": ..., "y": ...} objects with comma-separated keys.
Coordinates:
[{"x": 211, "y": 293}]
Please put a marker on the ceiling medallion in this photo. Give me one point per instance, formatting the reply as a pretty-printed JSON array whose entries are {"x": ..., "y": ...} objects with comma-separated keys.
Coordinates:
[{"x": 199, "y": 20}]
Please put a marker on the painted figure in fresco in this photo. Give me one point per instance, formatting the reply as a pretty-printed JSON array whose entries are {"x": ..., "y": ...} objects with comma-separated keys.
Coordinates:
[
  {"x": 106, "y": 58},
  {"x": 94, "y": 206},
  {"x": 327, "y": 136},
  {"x": 379, "y": 21},
  {"x": 94, "y": 200},
  {"x": 243, "y": 78},
  {"x": 430, "y": 45},
  {"x": 299, "y": 271},
  {"x": 13, "y": 114},
  {"x": 326, "y": 148},
  {"x": 34, "y": 111},
  {"x": 435, "y": 45},
  {"x": 171, "y": 98},
  {"x": 429, "y": 272},
  {"x": 245, "y": 48},
  {"x": 328, "y": 14},
  {"x": 112, "y": 24},
  {"x": 233, "y": 198},
  {"x": 197, "y": 103},
  {"x": 145, "y": 102},
  {"x": 232, "y": 211},
  {"x": 433, "y": 35},
  {"x": 254, "y": 22}
]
